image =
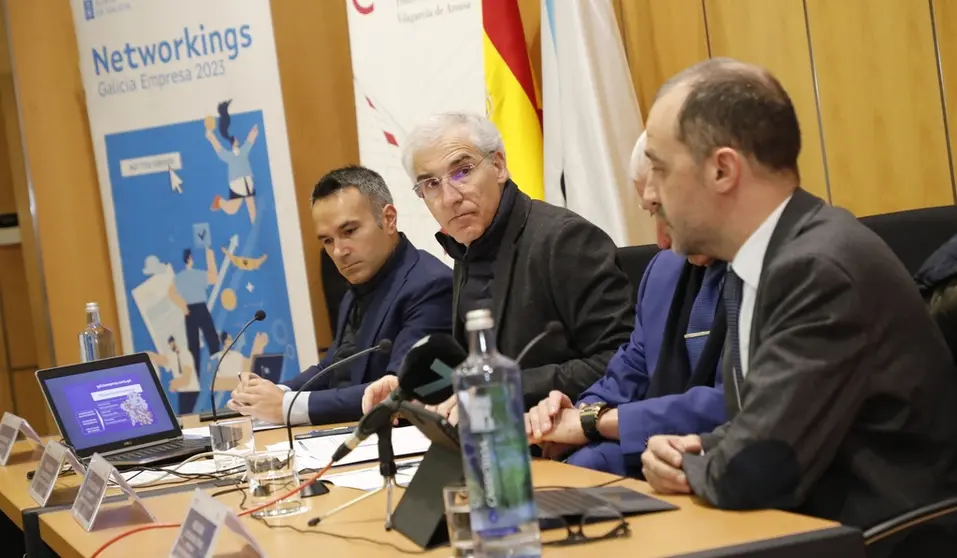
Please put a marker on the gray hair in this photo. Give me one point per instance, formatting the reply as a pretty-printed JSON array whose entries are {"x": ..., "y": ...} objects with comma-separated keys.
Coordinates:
[
  {"x": 369, "y": 183},
  {"x": 478, "y": 130},
  {"x": 636, "y": 166}
]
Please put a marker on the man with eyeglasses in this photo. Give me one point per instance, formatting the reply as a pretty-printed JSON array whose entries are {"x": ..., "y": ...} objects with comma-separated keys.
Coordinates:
[{"x": 530, "y": 262}]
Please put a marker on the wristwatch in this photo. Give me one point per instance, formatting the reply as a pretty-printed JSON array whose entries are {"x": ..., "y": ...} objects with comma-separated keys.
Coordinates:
[{"x": 589, "y": 415}]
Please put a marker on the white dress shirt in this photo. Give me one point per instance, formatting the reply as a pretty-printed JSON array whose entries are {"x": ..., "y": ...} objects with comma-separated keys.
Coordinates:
[
  {"x": 747, "y": 264},
  {"x": 300, "y": 412}
]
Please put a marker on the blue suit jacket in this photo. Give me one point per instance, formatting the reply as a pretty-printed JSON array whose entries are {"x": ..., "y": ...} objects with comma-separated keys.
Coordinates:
[
  {"x": 628, "y": 376},
  {"x": 414, "y": 301}
]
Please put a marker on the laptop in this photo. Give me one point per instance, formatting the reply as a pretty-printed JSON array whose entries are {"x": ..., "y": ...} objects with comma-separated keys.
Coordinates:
[
  {"x": 117, "y": 407},
  {"x": 268, "y": 367}
]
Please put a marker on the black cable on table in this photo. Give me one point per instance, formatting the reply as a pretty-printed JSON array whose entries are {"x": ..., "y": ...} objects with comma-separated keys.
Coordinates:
[{"x": 350, "y": 538}]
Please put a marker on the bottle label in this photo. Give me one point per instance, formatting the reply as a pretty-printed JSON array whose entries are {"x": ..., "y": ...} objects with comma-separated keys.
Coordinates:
[{"x": 497, "y": 462}]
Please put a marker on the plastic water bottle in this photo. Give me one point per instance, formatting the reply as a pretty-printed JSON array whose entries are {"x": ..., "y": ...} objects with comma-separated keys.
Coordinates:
[
  {"x": 96, "y": 340},
  {"x": 495, "y": 455}
]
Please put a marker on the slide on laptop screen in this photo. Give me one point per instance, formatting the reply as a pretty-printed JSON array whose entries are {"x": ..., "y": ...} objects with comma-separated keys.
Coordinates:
[{"x": 104, "y": 407}]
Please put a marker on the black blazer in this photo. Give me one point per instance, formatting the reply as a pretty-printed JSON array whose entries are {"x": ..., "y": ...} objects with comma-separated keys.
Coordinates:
[
  {"x": 849, "y": 408},
  {"x": 554, "y": 265}
]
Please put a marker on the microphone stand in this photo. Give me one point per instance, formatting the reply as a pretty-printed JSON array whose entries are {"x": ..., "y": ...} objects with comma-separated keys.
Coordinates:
[
  {"x": 224, "y": 437},
  {"x": 384, "y": 346},
  {"x": 388, "y": 470}
]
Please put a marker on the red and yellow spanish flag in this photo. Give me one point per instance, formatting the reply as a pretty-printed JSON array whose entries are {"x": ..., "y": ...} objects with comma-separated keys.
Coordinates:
[{"x": 512, "y": 102}]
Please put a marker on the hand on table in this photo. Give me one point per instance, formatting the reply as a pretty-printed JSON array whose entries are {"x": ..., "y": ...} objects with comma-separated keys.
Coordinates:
[
  {"x": 554, "y": 414},
  {"x": 661, "y": 462}
]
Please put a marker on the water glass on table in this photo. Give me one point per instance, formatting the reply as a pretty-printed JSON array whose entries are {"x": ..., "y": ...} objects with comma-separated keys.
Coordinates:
[
  {"x": 235, "y": 437},
  {"x": 270, "y": 475},
  {"x": 456, "y": 499}
]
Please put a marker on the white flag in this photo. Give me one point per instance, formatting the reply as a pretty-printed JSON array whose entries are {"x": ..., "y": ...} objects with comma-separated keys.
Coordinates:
[{"x": 591, "y": 118}]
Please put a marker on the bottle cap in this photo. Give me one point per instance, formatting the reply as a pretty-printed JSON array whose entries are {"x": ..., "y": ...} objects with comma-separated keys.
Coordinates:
[
  {"x": 476, "y": 320},
  {"x": 92, "y": 306}
]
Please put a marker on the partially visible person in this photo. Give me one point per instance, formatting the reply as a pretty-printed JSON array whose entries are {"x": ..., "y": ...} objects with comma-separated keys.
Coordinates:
[
  {"x": 528, "y": 261},
  {"x": 937, "y": 281},
  {"x": 397, "y": 292},
  {"x": 663, "y": 381},
  {"x": 188, "y": 293},
  {"x": 839, "y": 386}
]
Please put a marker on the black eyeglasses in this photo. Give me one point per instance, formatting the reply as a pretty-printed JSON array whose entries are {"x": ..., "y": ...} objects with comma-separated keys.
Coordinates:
[{"x": 593, "y": 526}]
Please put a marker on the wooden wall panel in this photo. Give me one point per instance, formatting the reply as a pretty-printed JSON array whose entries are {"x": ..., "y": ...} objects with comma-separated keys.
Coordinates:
[
  {"x": 945, "y": 19},
  {"x": 662, "y": 37},
  {"x": 35, "y": 294},
  {"x": 773, "y": 34},
  {"x": 69, "y": 217},
  {"x": 880, "y": 104},
  {"x": 6, "y": 381},
  {"x": 30, "y": 403},
  {"x": 8, "y": 202},
  {"x": 320, "y": 115},
  {"x": 17, "y": 321}
]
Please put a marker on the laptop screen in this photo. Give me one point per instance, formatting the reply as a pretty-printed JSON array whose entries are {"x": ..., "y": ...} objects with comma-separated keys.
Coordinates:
[{"x": 109, "y": 405}]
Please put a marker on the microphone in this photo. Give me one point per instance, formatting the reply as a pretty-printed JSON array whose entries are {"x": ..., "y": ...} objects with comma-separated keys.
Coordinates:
[
  {"x": 258, "y": 317},
  {"x": 384, "y": 346},
  {"x": 550, "y": 327},
  {"x": 426, "y": 376}
]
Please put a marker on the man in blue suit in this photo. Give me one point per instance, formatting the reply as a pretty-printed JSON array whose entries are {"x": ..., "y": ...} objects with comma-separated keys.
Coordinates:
[
  {"x": 397, "y": 292},
  {"x": 664, "y": 380}
]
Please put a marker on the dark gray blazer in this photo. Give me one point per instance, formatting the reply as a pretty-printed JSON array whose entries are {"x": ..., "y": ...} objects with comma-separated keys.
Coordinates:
[
  {"x": 554, "y": 265},
  {"x": 849, "y": 408}
]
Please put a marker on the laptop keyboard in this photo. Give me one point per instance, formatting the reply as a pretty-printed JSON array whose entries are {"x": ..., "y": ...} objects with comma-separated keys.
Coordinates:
[
  {"x": 567, "y": 501},
  {"x": 173, "y": 447}
]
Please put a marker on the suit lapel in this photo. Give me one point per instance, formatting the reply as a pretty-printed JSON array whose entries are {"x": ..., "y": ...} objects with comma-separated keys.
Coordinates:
[
  {"x": 727, "y": 378},
  {"x": 798, "y": 210},
  {"x": 382, "y": 301},
  {"x": 505, "y": 260}
]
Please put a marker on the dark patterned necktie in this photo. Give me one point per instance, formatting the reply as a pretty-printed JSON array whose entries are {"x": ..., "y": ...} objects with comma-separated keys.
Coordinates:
[
  {"x": 702, "y": 314},
  {"x": 733, "y": 287}
]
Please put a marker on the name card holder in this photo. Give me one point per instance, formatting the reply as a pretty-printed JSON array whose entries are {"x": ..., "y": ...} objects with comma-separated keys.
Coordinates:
[
  {"x": 41, "y": 487},
  {"x": 10, "y": 427},
  {"x": 88, "y": 499},
  {"x": 204, "y": 520}
]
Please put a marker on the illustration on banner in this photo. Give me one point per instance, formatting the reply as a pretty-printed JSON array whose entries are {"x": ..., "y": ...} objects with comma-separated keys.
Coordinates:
[{"x": 198, "y": 231}]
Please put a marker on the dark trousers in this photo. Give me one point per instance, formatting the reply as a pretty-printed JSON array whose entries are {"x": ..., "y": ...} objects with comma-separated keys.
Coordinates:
[{"x": 199, "y": 319}]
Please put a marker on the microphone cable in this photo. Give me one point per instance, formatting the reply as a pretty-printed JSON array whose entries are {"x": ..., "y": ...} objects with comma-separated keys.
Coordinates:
[{"x": 313, "y": 479}]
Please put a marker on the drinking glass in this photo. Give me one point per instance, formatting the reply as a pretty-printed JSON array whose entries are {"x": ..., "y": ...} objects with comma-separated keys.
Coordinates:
[
  {"x": 271, "y": 474},
  {"x": 233, "y": 436},
  {"x": 456, "y": 499}
]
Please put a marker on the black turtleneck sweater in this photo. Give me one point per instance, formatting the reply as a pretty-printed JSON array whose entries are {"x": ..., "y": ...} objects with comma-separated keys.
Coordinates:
[
  {"x": 363, "y": 293},
  {"x": 478, "y": 258}
]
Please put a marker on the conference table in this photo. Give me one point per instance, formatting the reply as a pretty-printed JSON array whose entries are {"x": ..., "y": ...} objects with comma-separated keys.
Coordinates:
[{"x": 694, "y": 529}]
